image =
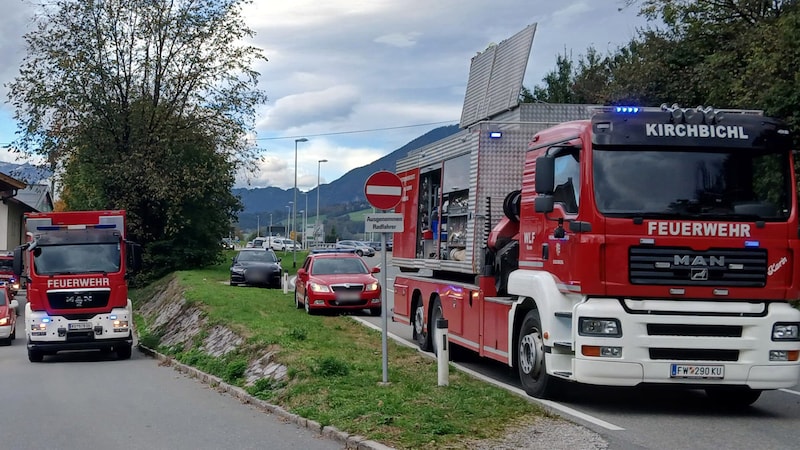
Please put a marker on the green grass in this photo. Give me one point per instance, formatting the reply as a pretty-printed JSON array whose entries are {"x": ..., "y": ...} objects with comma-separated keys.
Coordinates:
[{"x": 334, "y": 368}]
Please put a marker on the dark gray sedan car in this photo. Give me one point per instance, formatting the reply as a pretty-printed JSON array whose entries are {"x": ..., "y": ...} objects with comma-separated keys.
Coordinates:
[{"x": 256, "y": 267}]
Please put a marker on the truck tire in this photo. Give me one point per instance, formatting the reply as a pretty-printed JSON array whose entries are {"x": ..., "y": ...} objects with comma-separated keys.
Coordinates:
[
  {"x": 123, "y": 351},
  {"x": 35, "y": 356},
  {"x": 531, "y": 359},
  {"x": 436, "y": 314},
  {"x": 421, "y": 334},
  {"x": 733, "y": 397}
]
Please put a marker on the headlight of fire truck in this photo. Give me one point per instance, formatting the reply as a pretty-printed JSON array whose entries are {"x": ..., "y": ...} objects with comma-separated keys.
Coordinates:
[
  {"x": 786, "y": 332},
  {"x": 591, "y": 326}
]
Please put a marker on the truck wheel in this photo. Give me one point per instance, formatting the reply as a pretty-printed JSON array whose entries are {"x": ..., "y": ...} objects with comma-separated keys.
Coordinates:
[
  {"x": 733, "y": 397},
  {"x": 436, "y": 314},
  {"x": 530, "y": 359},
  {"x": 123, "y": 352},
  {"x": 421, "y": 336},
  {"x": 35, "y": 356}
]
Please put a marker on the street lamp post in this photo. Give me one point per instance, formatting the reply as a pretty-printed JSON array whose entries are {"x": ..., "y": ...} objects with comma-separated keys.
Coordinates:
[
  {"x": 288, "y": 218},
  {"x": 258, "y": 227},
  {"x": 305, "y": 225},
  {"x": 294, "y": 208},
  {"x": 316, "y": 221},
  {"x": 270, "y": 225}
]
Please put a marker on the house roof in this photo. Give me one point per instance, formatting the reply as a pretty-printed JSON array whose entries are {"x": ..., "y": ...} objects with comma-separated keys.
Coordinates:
[
  {"x": 8, "y": 183},
  {"x": 36, "y": 197}
]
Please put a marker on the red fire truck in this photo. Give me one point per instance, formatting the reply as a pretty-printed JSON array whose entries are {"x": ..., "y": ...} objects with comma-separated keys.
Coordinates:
[
  {"x": 77, "y": 263},
  {"x": 634, "y": 246},
  {"x": 7, "y": 276}
]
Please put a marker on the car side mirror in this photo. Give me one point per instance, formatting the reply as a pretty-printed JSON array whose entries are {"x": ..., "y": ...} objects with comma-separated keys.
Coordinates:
[
  {"x": 302, "y": 274},
  {"x": 375, "y": 269}
]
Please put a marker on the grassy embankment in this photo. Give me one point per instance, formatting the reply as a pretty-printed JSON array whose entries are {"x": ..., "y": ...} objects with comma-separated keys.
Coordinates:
[{"x": 334, "y": 368}]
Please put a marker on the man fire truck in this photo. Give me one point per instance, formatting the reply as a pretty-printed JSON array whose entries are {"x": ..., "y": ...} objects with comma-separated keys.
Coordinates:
[
  {"x": 7, "y": 276},
  {"x": 636, "y": 246},
  {"x": 77, "y": 263}
]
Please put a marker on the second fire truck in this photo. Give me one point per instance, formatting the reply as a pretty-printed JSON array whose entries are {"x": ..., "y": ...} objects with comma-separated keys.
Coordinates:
[{"x": 633, "y": 246}]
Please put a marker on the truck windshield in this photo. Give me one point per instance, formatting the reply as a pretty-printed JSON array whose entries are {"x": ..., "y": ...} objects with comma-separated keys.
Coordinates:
[
  {"x": 6, "y": 264},
  {"x": 723, "y": 184},
  {"x": 76, "y": 259}
]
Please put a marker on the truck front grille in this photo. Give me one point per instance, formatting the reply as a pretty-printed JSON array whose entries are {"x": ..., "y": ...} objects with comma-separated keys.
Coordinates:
[
  {"x": 669, "y": 329},
  {"x": 78, "y": 299},
  {"x": 681, "y": 266}
]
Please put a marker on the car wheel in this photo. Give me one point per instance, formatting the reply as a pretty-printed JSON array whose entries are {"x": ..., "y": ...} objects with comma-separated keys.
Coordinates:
[
  {"x": 375, "y": 312},
  {"x": 233, "y": 283},
  {"x": 531, "y": 363},
  {"x": 297, "y": 301},
  {"x": 14, "y": 332},
  {"x": 359, "y": 253},
  {"x": 309, "y": 311}
]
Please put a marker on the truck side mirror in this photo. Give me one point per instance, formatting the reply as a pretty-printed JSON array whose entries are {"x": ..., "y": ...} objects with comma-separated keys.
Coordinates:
[
  {"x": 134, "y": 252},
  {"x": 545, "y": 175},
  {"x": 17, "y": 265}
]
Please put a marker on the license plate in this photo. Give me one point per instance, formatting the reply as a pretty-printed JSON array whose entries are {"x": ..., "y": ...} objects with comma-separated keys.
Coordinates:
[
  {"x": 80, "y": 326},
  {"x": 348, "y": 297},
  {"x": 697, "y": 371}
]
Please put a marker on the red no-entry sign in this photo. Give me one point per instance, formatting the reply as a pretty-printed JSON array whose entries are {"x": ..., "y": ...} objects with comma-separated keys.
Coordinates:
[{"x": 383, "y": 189}]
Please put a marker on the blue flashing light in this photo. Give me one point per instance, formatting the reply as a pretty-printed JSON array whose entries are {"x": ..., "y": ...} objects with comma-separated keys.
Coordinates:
[
  {"x": 627, "y": 109},
  {"x": 113, "y": 317},
  {"x": 48, "y": 228},
  {"x": 106, "y": 225},
  {"x": 752, "y": 244},
  {"x": 495, "y": 134},
  {"x": 45, "y": 320}
]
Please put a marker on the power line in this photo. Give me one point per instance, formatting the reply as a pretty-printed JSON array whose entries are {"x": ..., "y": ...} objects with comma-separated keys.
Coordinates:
[{"x": 370, "y": 130}]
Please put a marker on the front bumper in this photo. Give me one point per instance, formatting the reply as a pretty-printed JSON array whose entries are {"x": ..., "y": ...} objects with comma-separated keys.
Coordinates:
[
  {"x": 654, "y": 336},
  {"x": 49, "y": 334},
  {"x": 5, "y": 331},
  {"x": 328, "y": 301}
]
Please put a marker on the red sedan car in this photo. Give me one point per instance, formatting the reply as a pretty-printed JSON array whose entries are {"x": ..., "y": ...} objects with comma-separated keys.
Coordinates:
[
  {"x": 8, "y": 316},
  {"x": 337, "y": 281}
]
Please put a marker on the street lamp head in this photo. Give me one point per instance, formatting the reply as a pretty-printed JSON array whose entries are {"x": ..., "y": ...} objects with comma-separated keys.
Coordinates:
[
  {"x": 301, "y": 140},
  {"x": 323, "y": 160}
]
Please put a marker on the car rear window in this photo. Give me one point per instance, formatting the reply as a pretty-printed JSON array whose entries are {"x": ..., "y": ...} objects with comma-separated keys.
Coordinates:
[{"x": 263, "y": 256}]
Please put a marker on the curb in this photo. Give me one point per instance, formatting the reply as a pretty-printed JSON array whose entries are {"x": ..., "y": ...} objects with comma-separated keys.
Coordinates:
[{"x": 350, "y": 441}]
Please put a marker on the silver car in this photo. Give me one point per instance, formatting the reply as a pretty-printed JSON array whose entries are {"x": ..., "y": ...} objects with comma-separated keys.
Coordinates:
[{"x": 358, "y": 247}]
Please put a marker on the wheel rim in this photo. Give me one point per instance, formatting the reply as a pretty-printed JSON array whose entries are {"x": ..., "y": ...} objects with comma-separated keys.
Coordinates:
[
  {"x": 305, "y": 303},
  {"x": 531, "y": 354},
  {"x": 419, "y": 320}
]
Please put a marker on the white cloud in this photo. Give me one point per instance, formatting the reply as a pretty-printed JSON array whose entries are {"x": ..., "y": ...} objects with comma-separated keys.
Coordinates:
[
  {"x": 399, "y": 39},
  {"x": 354, "y": 65}
]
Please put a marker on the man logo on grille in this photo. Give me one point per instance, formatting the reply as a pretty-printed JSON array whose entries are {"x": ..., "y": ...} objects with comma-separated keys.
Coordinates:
[{"x": 699, "y": 274}]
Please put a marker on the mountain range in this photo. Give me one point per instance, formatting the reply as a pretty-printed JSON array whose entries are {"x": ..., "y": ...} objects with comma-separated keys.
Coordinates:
[{"x": 342, "y": 195}]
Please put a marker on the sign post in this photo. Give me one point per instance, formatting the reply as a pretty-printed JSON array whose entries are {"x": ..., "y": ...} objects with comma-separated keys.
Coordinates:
[{"x": 383, "y": 190}]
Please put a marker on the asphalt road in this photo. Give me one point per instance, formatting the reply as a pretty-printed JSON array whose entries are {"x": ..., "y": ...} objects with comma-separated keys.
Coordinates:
[
  {"x": 87, "y": 400},
  {"x": 651, "y": 418}
]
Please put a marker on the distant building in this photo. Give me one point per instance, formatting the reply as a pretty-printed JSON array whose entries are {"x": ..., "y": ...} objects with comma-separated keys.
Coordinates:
[{"x": 18, "y": 198}]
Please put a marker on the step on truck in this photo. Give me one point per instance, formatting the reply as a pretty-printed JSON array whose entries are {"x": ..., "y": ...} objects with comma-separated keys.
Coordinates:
[
  {"x": 633, "y": 246},
  {"x": 76, "y": 266}
]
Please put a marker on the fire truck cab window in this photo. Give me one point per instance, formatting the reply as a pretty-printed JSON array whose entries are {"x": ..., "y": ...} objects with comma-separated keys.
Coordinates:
[
  {"x": 567, "y": 181},
  {"x": 84, "y": 258}
]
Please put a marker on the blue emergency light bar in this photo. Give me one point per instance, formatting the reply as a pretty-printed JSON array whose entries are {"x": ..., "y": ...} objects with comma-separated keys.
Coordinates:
[
  {"x": 104, "y": 226},
  {"x": 495, "y": 134},
  {"x": 627, "y": 109}
]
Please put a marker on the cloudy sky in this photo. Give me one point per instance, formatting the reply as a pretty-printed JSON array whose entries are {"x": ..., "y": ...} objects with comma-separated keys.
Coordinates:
[{"x": 361, "y": 78}]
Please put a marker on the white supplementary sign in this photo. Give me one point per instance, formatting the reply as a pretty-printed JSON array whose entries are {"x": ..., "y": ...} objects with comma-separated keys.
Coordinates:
[{"x": 384, "y": 223}]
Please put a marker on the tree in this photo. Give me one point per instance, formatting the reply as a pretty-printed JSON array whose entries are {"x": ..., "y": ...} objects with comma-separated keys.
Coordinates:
[{"x": 144, "y": 105}]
